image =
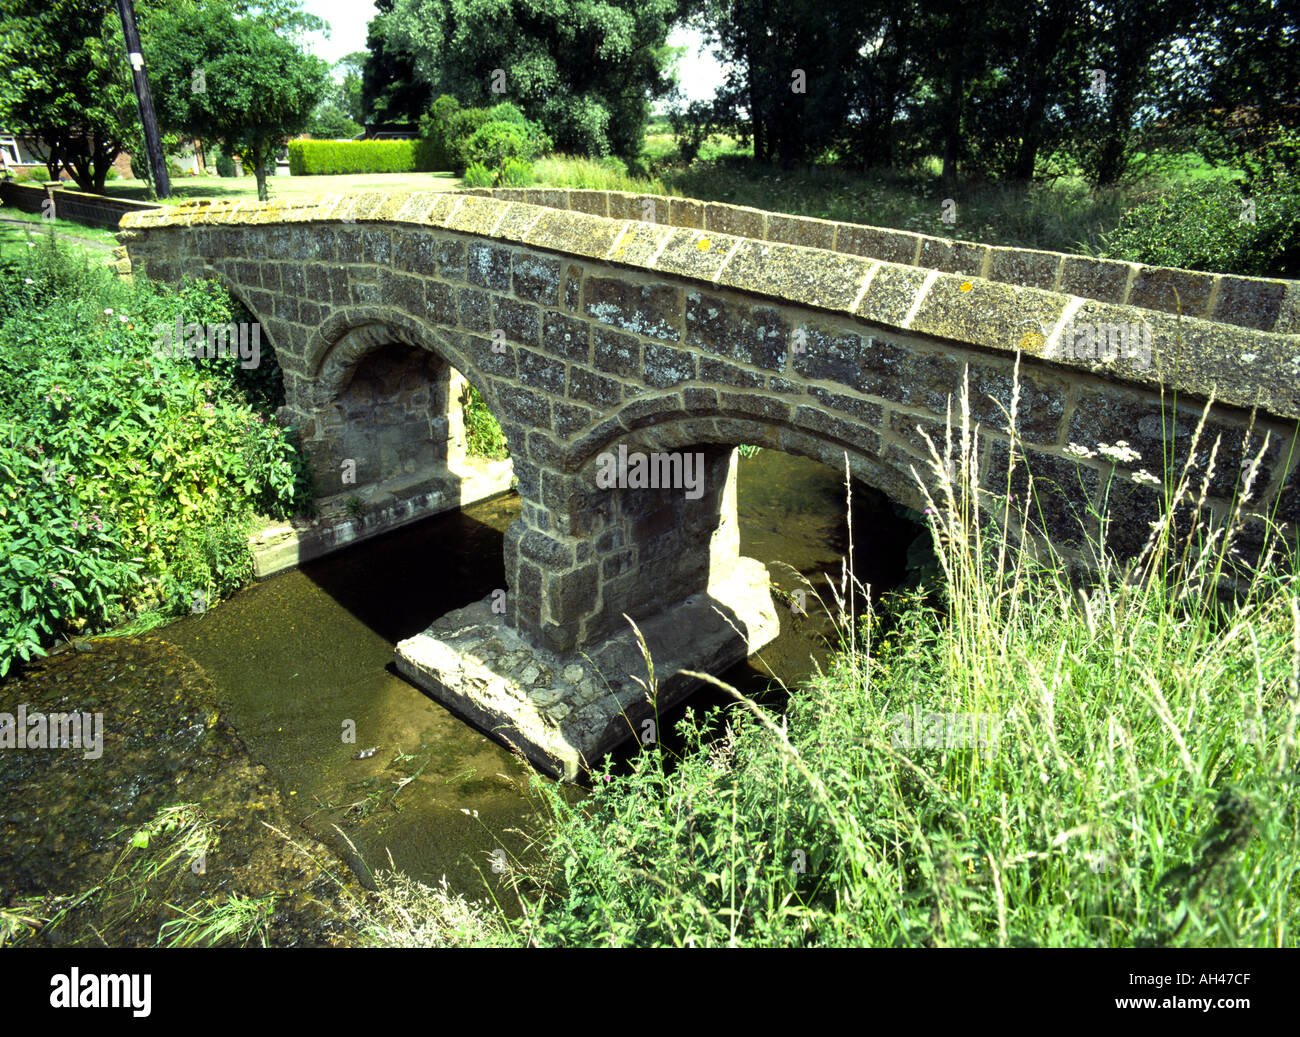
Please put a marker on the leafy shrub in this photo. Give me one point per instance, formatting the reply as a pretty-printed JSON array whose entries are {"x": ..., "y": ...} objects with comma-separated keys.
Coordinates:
[
  {"x": 436, "y": 131},
  {"x": 128, "y": 478},
  {"x": 321, "y": 157},
  {"x": 1201, "y": 227},
  {"x": 456, "y": 137},
  {"x": 226, "y": 164}
]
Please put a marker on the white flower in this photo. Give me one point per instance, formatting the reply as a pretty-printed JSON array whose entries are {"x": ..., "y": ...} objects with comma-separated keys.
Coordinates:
[
  {"x": 1079, "y": 451},
  {"x": 28, "y": 280},
  {"x": 1145, "y": 478},
  {"x": 122, "y": 318},
  {"x": 108, "y": 310},
  {"x": 1119, "y": 452}
]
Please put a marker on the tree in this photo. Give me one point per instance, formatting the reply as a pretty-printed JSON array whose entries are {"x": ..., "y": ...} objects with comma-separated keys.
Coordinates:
[
  {"x": 352, "y": 66},
  {"x": 67, "y": 85},
  {"x": 339, "y": 113},
  {"x": 587, "y": 70},
  {"x": 1243, "y": 95},
  {"x": 258, "y": 88},
  {"x": 391, "y": 89}
]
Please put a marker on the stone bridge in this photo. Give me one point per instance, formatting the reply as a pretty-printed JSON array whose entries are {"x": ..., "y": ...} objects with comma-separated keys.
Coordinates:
[{"x": 592, "y": 320}]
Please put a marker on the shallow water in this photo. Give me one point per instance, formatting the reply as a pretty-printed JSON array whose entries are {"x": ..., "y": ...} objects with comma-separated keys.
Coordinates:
[{"x": 302, "y": 667}]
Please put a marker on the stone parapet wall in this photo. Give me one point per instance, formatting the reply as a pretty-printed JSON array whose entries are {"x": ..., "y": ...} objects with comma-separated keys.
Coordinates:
[{"x": 1260, "y": 303}]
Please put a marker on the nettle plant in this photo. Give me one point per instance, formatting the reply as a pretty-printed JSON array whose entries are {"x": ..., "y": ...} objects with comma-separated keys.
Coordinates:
[{"x": 129, "y": 479}]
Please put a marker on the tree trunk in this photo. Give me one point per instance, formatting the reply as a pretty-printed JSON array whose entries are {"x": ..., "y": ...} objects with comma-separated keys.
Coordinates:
[{"x": 259, "y": 171}]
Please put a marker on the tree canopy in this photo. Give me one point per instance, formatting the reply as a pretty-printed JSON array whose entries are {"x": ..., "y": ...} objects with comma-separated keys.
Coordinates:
[
  {"x": 587, "y": 70},
  {"x": 66, "y": 84},
  {"x": 258, "y": 87}
]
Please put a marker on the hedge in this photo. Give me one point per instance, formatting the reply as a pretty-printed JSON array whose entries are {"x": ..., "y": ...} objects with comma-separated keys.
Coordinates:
[{"x": 317, "y": 157}]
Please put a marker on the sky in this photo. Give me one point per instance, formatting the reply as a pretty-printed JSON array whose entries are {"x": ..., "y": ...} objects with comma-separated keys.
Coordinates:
[{"x": 699, "y": 72}]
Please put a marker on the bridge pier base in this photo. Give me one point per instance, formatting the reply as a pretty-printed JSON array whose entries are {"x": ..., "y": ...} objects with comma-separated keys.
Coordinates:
[{"x": 565, "y": 710}]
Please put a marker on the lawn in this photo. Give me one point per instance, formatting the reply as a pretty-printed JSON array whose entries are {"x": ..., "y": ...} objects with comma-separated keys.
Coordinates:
[
  {"x": 283, "y": 188},
  {"x": 20, "y": 230}
]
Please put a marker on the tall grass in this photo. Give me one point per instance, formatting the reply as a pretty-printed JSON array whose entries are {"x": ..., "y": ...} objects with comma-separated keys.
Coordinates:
[
  {"x": 607, "y": 174},
  {"x": 1061, "y": 214},
  {"x": 1138, "y": 786}
]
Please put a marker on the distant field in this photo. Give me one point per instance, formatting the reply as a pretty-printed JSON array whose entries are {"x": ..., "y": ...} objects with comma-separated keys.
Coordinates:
[{"x": 286, "y": 187}]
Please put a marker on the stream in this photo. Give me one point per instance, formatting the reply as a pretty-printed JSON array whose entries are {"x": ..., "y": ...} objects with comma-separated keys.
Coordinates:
[{"x": 266, "y": 708}]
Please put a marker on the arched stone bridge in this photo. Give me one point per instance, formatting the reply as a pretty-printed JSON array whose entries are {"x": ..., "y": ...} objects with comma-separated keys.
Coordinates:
[{"x": 593, "y": 320}]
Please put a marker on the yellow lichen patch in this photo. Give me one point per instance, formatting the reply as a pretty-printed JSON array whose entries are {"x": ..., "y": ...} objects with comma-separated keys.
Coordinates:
[
  {"x": 702, "y": 244},
  {"x": 965, "y": 286},
  {"x": 1031, "y": 342}
]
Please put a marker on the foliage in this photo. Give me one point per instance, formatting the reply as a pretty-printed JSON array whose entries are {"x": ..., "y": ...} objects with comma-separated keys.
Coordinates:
[
  {"x": 478, "y": 175},
  {"x": 1206, "y": 226},
  {"x": 67, "y": 83},
  {"x": 495, "y": 143},
  {"x": 316, "y": 157},
  {"x": 457, "y": 137},
  {"x": 606, "y": 174},
  {"x": 516, "y": 173},
  {"x": 483, "y": 434},
  {"x": 260, "y": 88},
  {"x": 391, "y": 91},
  {"x": 129, "y": 478},
  {"x": 1243, "y": 95},
  {"x": 340, "y": 115},
  {"x": 585, "y": 71}
]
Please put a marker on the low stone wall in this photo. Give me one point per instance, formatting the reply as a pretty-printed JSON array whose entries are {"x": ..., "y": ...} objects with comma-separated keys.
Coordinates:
[
  {"x": 1266, "y": 304},
  {"x": 94, "y": 210}
]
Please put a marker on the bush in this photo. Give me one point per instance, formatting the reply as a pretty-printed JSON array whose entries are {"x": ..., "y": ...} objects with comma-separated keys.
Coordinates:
[
  {"x": 128, "y": 478},
  {"x": 322, "y": 157},
  {"x": 483, "y": 434},
  {"x": 436, "y": 131},
  {"x": 456, "y": 137},
  {"x": 226, "y": 164},
  {"x": 1201, "y": 227}
]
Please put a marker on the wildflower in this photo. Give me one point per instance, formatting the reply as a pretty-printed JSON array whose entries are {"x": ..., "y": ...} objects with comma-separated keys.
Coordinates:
[
  {"x": 1144, "y": 478},
  {"x": 121, "y": 318},
  {"x": 108, "y": 310},
  {"x": 1075, "y": 450},
  {"x": 1118, "y": 453},
  {"x": 28, "y": 280}
]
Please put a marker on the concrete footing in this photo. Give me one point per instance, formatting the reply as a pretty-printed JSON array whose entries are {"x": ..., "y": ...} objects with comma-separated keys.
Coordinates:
[
  {"x": 388, "y": 506},
  {"x": 565, "y": 711}
]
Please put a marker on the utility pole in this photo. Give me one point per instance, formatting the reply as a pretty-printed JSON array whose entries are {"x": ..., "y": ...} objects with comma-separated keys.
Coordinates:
[{"x": 148, "y": 119}]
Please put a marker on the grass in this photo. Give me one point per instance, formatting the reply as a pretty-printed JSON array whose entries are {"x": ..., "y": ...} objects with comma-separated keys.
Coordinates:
[
  {"x": 285, "y": 188},
  {"x": 1061, "y": 213},
  {"x": 230, "y": 918},
  {"x": 16, "y": 238},
  {"x": 483, "y": 435},
  {"x": 591, "y": 174},
  {"x": 64, "y": 228},
  {"x": 1134, "y": 781}
]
